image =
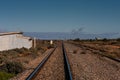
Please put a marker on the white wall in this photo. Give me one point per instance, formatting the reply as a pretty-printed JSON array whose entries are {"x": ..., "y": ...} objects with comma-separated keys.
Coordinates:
[
  {"x": 4, "y": 43},
  {"x": 14, "y": 41}
]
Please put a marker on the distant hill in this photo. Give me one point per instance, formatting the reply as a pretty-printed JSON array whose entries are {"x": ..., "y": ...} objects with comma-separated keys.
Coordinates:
[
  {"x": 67, "y": 35},
  {"x": 2, "y": 30}
]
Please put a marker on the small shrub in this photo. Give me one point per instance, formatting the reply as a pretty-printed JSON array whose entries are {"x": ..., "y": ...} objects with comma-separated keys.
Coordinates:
[
  {"x": 118, "y": 39},
  {"x": 113, "y": 43},
  {"x": 77, "y": 39},
  {"x": 50, "y": 46},
  {"x": 96, "y": 52},
  {"x": 1, "y": 60},
  {"x": 5, "y": 76},
  {"x": 102, "y": 50},
  {"x": 33, "y": 50},
  {"x": 74, "y": 51},
  {"x": 105, "y": 39},
  {"x": 14, "y": 67},
  {"x": 83, "y": 52}
]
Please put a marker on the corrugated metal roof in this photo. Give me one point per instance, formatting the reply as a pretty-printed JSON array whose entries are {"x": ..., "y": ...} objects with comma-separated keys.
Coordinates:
[{"x": 10, "y": 33}]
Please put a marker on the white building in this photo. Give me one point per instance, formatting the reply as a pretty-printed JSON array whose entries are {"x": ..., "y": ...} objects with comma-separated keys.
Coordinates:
[{"x": 12, "y": 40}]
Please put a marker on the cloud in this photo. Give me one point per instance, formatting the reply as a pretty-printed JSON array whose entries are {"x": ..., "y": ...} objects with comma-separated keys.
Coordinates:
[{"x": 77, "y": 31}]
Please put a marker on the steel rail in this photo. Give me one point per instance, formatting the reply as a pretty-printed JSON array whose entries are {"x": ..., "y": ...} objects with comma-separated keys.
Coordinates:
[
  {"x": 36, "y": 70},
  {"x": 68, "y": 74},
  {"x": 107, "y": 56},
  {"x": 115, "y": 59}
]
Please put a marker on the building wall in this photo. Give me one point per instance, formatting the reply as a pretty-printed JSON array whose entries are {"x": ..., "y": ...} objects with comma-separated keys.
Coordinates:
[
  {"x": 14, "y": 41},
  {"x": 4, "y": 41}
]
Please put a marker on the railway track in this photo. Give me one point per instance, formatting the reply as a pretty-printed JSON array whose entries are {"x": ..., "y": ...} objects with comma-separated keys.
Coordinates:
[
  {"x": 36, "y": 70},
  {"x": 88, "y": 66},
  {"x": 63, "y": 64},
  {"x": 68, "y": 72},
  {"x": 101, "y": 53},
  {"x": 66, "y": 67}
]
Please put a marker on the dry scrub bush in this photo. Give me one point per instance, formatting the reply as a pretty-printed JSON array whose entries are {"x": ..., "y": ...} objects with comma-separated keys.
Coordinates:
[
  {"x": 12, "y": 67},
  {"x": 83, "y": 52},
  {"x": 75, "y": 51}
]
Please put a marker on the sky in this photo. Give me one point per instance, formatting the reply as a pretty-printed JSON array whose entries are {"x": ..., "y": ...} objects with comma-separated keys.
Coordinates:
[{"x": 93, "y": 16}]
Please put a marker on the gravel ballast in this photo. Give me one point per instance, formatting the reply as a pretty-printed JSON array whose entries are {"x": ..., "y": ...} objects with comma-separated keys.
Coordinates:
[{"x": 88, "y": 66}]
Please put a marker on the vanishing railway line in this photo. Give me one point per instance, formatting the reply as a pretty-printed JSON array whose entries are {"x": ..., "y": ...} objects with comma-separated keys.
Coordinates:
[
  {"x": 67, "y": 75},
  {"x": 100, "y": 53}
]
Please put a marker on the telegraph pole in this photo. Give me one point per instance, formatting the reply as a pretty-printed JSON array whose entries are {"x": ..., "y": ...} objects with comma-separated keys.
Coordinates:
[{"x": 34, "y": 42}]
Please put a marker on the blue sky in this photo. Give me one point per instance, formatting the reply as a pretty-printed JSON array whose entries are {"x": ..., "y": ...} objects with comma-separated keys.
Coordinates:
[{"x": 94, "y": 16}]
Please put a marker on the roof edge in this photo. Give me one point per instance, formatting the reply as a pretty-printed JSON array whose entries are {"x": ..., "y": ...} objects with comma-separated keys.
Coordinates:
[{"x": 10, "y": 33}]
